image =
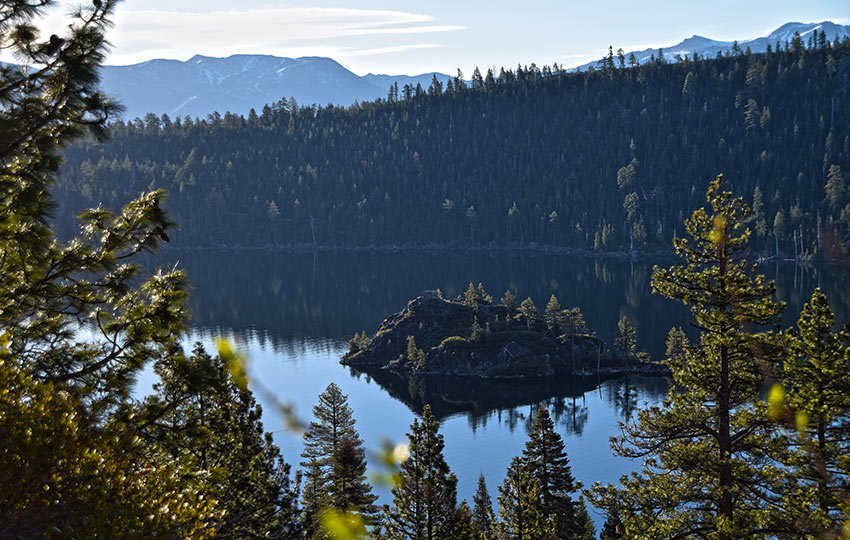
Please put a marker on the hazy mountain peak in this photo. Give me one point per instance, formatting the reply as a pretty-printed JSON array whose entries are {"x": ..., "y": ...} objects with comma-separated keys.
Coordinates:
[
  {"x": 239, "y": 82},
  {"x": 696, "y": 40},
  {"x": 709, "y": 47}
]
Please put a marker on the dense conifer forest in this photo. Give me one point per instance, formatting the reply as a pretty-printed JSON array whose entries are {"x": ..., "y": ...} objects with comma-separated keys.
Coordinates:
[{"x": 610, "y": 160}]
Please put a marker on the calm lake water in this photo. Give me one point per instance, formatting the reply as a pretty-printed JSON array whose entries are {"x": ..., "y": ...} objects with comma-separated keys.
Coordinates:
[{"x": 293, "y": 313}]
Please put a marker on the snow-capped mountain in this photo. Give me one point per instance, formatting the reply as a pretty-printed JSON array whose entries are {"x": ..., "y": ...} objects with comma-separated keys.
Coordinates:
[
  {"x": 202, "y": 85},
  {"x": 706, "y": 47}
]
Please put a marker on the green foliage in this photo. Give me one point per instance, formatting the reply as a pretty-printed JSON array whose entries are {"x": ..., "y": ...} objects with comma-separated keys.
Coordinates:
[
  {"x": 336, "y": 464},
  {"x": 358, "y": 342},
  {"x": 817, "y": 392},
  {"x": 677, "y": 343},
  {"x": 574, "y": 324},
  {"x": 509, "y": 301},
  {"x": 706, "y": 468},
  {"x": 313, "y": 494},
  {"x": 79, "y": 321},
  {"x": 452, "y": 340},
  {"x": 476, "y": 332},
  {"x": 835, "y": 187},
  {"x": 425, "y": 497},
  {"x": 585, "y": 530},
  {"x": 211, "y": 422},
  {"x": 415, "y": 355},
  {"x": 475, "y": 295},
  {"x": 545, "y": 460},
  {"x": 612, "y": 529},
  {"x": 521, "y": 516},
  {"x": 464, "y": 528},
  {"x": 341, "y": 525},
  {"x": 482, "y": 512},
  {"x": 554, "y": 315},
  {"x": 67, "y": 475},
  {"x": 625, "y": 339},
  {"x": 529, "y": 313}
]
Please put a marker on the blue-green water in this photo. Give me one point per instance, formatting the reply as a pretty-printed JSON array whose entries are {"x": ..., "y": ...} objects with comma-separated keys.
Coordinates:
[{"x": 292, "y": 315}]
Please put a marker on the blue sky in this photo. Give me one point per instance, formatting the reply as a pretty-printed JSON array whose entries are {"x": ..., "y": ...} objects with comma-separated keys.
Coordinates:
[{"x": 398, "y": 37}]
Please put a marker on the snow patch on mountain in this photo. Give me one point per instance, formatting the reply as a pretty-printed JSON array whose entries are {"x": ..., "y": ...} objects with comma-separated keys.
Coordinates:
[{"x": 707, "y": 47}]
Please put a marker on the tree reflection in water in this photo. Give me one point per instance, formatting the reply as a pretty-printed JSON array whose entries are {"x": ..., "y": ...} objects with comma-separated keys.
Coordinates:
[{"x": 514, "y": 402}]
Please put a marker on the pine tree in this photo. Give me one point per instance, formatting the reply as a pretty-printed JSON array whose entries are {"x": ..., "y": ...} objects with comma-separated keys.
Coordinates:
[
  {"x": 705, "y": 471},
  {"x": 425, "y": 496},
  {"x": 815, "y": 374},
  {"x": 72, "y": 462},
  {"x": 584, "y": 525},
  {"x": 677, "y": 343},
  {"x": 216, "y": 424},
  {"x": 554, "y": 315},
  {"x": 509, "y": 301},
  {"x": 415, "y": 355},
  {"x": 575, "y": 323},
  {"x": 625, "y": 340},
  {"x": 545, "y": 460},
  {"x": 482, "y": 511},
  {"x": 574, "y": 326},
  {"x": 475, "y": 295},
  {"x": 521, "y": 514},
  {"x": 612, "y": 529},
  {"x": 351, "y": 491},
  {"x": 336, "y": 463},
  {"x": 334, "y": 422},
  {"x": 464, "y": 528},
  {"x": 314, "y": 495},
  {"x": 834, "y": 188},
  {"x": 529, "y": 312}
]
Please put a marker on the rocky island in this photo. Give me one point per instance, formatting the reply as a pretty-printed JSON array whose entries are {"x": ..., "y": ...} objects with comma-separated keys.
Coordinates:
[{"x": 475, "y": 336}]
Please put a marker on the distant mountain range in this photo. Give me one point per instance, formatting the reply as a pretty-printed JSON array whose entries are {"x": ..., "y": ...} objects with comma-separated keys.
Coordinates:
[
  {"x": 203, "y": 84},
  {"x": 710, "y": 47},
  {"x": 241, "y": 82}
]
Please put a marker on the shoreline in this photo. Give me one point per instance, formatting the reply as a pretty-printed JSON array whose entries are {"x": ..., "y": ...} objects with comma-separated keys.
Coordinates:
[{"x": 531, "y": 249}]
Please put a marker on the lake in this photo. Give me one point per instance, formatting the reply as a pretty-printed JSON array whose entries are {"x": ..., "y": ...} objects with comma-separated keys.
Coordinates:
[{"x": 292, "y": 314}]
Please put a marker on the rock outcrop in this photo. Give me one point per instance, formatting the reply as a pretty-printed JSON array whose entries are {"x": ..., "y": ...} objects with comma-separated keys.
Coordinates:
[{"x": 478, "y": 338}]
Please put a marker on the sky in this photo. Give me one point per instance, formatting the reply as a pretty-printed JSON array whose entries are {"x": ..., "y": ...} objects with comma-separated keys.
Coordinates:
[{"x": 402, "y": 37}]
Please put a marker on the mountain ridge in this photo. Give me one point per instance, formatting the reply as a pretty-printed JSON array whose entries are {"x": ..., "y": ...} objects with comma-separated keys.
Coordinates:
[
  {"x": 204, "y": 84},
  {"x": 237, "y": 83},
  {"x": 710, "y": 47}
]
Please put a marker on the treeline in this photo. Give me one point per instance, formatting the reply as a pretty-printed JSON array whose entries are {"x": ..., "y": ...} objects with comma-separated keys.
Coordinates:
[
  {"x": 610, "y": 159},
  {"x": 538, "y": 498}
]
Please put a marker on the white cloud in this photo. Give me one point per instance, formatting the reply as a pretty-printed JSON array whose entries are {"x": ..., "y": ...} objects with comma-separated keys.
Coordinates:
[
  {"x": 143, "y": 34},
  {"x": 385, "y": 50}
]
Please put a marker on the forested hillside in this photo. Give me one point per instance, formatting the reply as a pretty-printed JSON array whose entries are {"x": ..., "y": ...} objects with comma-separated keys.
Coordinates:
[{"x": 608, "y": 160}]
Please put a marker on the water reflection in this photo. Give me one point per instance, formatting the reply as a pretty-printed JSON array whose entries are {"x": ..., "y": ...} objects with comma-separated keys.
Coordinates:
[
  {"x": 282, "y": 296},
  {"x": 483, "y": 400}
]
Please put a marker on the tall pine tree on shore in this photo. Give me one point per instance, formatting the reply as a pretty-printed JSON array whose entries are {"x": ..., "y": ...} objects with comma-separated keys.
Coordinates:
[
  {"x": 482, "y": 511},
  {"x": 521, "y": 514},
  {"x": 425, "y": 496},
  {"x": 814, "y": 374},
  {"x": 707, "y": 467},
  {"x": 545, "y": 460},
  {"x": 336, "y": 463},
  {"x": 216, "y": 424}
]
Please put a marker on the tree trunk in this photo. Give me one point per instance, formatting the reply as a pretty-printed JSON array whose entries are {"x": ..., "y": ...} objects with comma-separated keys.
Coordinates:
[
  {"x": 725, "y": 505},
  {"x": 724, "y": 444}
]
